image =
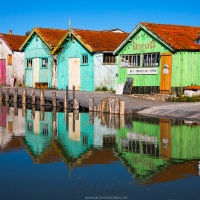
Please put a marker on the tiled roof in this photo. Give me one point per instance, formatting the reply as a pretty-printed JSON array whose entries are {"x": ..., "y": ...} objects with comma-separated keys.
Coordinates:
[
  {"x": 176, "y": 36},
  {"x": 13, "y": 41},
  {"x": 51, "y": 36},
  {"x": 100, "y": 40}
]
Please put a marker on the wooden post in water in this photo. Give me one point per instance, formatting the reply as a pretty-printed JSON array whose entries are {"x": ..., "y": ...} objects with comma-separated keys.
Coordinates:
[
  {"x": 42, "y": 99},
  {"x": 42, "y": 109},
  {"x": 7, "y": 94},
  {"x": 111, "y": 103},
  {"x": 76, "y": 104},
  {"x": 23, "y": 110},
  {"x": 103, "y": 104},
  {"x": 15, "y": 109},
  {"x": 117, "y": 106},
  {"x": 122, "y": 107},
  {"x": 15, "y": 95},
  {"x": 7, "y": 108},
  {"x": 73, "y": 92},
  {"x": 95, "y": 108},
  {"x": 33, "y": 97},
  {"x": 91, "y": 118},
  {"x": 54, "y": 101},
  {"x": 24, "y": 96},
  {"x": 65, "y": 102},
  {"x": 1, "y": 95},
  {"x": 54, "y": 126},
  {"x": 33, "y": 111},
  {"x": 91, "y": 104},
  {"x": 66, "y": 98}
]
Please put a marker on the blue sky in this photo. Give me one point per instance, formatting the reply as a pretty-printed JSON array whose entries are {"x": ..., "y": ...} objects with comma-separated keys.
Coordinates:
[{"x": 22, "y": 16}]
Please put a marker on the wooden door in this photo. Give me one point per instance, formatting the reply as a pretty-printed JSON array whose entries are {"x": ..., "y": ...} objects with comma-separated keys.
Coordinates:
[
  {"x": 165, "y": 138},
  {"x": 166, "y": 73},
  {"x": 2, "y": 72},
  {"x": 74, "y": 73},
  {"x": 36, "y": 72}
]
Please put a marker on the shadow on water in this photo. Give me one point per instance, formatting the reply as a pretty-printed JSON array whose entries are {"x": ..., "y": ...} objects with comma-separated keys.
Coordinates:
[{"x": 97, "y": 155}]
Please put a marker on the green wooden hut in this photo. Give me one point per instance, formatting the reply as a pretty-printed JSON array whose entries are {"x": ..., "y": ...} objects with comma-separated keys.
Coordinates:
[{"x": 160, "y": 58}]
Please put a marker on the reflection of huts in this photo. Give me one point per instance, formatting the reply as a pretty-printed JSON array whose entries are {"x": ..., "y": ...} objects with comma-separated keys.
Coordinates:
[
  {"x": 38, "y": 134},
  {"x": 147, "y": 149}
]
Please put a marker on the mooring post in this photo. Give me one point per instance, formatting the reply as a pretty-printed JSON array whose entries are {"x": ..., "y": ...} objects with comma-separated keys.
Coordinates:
[
  {"x": 117, "y": 106},
  {"x": 24, "y": 110},
  {"x": 54, "y": 126},
  {"x": 91, "y": 104},
  {"x": 73, "y": 92},
  {"x": 122, "y": 107},
  {"x": 111, "y": 103},
  {"x": 15, "y": 95},
  {"x": 24, "y": 96},
  {"x": 42, "y": 109},
  {"x": 66, "y": 97},
  {"x": 33, "y": 97},
  {"x": 1, "y": 96},
  {"x": 42, "y": 99},
  {"x": 7, "y": 94},
  {"x": 76, "y": 104},
  {"x": 54, "y": 101},
  {"x": 15, "y": 109}
]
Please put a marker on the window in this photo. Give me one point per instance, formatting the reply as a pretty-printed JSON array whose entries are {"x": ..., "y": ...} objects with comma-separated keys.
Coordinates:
[
  {"x": 45, "y": 130},
  {"x": 109, "y": 58},
  {"x": 151, "y": 59},
  {"x": 130, "y": 60},
  {"x": 44, "y": 62},
  {"x": 29, "y": 63},
  {"x": 84, "y": 59},
  {"x": 9, "y": 59}
]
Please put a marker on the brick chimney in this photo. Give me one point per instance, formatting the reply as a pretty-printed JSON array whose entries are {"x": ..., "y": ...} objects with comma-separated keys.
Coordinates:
[{"x": 10, "y": 32}]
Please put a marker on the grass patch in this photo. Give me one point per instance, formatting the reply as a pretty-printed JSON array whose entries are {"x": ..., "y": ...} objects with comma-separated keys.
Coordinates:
[{"x": 185, "y": 99}]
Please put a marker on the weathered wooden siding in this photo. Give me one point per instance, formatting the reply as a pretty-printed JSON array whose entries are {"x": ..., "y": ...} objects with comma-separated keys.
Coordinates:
[
  {"x": 75, "y": 50},
  {"x": 17, "y": 67},
  {"x": 104, "y": 75},
  {"x": 186, "y": 67},
  {"x": 141, "y": 38},
  {"x": 37, "y": 49}
]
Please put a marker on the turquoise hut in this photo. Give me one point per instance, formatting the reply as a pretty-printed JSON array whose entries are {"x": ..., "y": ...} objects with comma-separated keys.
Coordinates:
[
  {"x": 40, "y": 66},
  {"x": 85, "y": 59}
]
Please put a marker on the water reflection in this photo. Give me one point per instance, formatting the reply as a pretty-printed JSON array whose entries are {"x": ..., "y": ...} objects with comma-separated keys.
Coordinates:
[{"x": 153, "y": 150}]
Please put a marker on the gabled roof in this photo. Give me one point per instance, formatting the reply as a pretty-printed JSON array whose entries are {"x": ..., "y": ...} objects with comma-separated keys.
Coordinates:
[
  {"x": 49, "y": 36},
  {"x": 95, "y": 41},
  {"x": 175, "y": 37},
  {"x": 13, "y": 41}
]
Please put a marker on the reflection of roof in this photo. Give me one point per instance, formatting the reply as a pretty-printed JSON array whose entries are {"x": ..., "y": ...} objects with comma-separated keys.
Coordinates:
[
  {"x": 175, "y": 171},
  {"x": 49, "y": 154},
  {"x": 100, "y": 156},
  {"x": 14, "y": 143},
  {"x": 13, "y": 41}
]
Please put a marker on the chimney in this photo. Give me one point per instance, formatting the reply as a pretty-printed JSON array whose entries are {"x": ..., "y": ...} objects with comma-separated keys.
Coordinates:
[{"x": 10, "y": 32}]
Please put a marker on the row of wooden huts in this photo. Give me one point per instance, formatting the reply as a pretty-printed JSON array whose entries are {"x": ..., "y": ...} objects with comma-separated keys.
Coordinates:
[{"x": 159, "y": 58}]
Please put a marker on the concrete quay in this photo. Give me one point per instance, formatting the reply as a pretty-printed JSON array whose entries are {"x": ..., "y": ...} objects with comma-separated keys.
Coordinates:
[{"x": 133, "y": 104}]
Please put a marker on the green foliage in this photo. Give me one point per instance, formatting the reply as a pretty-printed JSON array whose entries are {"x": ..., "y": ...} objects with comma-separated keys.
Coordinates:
[
  {"x": 185, "y": 99},
  {"x": 103, "y": 88}
]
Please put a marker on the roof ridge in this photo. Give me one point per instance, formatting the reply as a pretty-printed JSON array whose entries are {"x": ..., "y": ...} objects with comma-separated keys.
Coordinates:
[{"x": 169, "y": 24}]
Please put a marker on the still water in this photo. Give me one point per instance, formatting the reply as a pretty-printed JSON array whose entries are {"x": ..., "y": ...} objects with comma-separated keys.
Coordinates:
[{"x": 56, "y": 155}]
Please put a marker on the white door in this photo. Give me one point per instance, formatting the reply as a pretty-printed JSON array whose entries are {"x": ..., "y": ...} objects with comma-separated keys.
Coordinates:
[
  {"x": 36, "y": 68},
  {"x": 74, "y": 73}
]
